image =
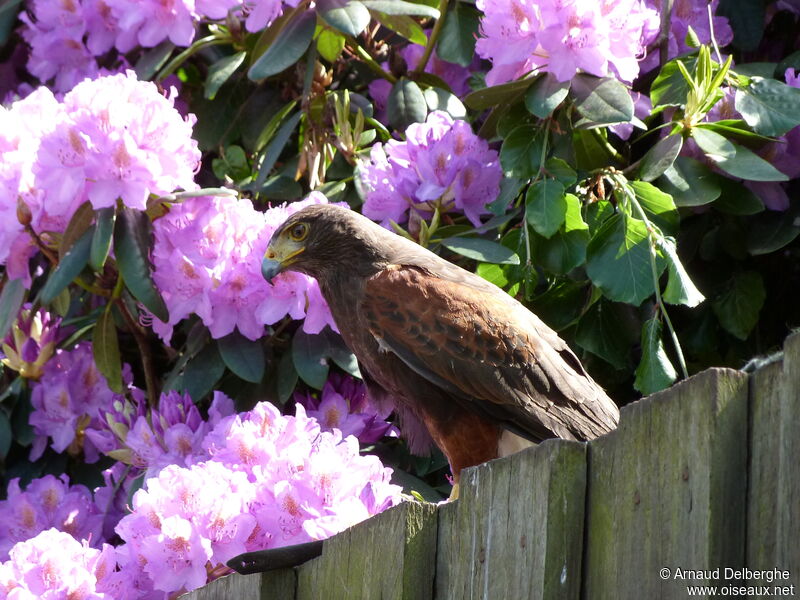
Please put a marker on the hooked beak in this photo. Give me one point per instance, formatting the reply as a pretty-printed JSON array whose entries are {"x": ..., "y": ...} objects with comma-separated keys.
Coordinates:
[
  {"x": 277, "y": 259},
  {"x": 270, "y": 268}
]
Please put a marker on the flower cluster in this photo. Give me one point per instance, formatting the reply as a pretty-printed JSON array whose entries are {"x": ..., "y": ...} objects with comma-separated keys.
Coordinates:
[
  {"x": 113, "y": 137},
  {"x": 31, "y": 342},
  {"x": 207, "y": 261},
  {"x": 343, "y": 404},
  {"x": 47, "y": 502},
  {"x": 171, "y": 434},
  {"x": 272, "y": 480},
  {"x": 564, "y": 36},
  {"x": 54, "y": 565},
  {"x": 441, "y": 164},
  {"x": 68, "y": 399}
]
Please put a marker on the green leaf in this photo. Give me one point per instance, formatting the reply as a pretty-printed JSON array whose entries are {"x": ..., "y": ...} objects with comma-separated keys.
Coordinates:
[
  {"x": 439, "y": 99},
  {"x": 458, "y": 35},
  {"x": 734, "y": 159},
  {"x": 555, "y": 167},
  {"x": 203, "y": 371},
  {"x": 545, "y": 95},
  {"x": 80, "y": 221},
  {"x": 600, "y": 333},
  {"x": 770, "y": 107},
  {"x": 736, "y": 199},
  {"x": 287, "y": 48},
  {"x": 573, "y": 219},
  {"x": 132, "y": 242},
  {"x": 601, "y": 101},
  {"x": 330, "y": 44},
  {"x": 659, "y": 206},
  {"x": 680, "y": 287},
  {"x": 350, "y": 17},
  {"x": 523, "y": 151},
  {"x": 670, "y": 88},
  {"x": 563, "y": 252},
  {"x": 545, "y": 206},
  {"x": 271, "y": 128},
  {"x": 220, "y": 72},
  {"x": 493, "y": 274},
  {"x": 309, "y": 357},
  {"x": 105, "y": 349},
  {"x": 400, "y": 7},
  {"x": 275, "y": 147},
  {"x": 772, "y": 230},
  {"x": 286, "y": 377},
  {"x": 69, "y": 267},
  {"x": 481, "y": 250},
  {"x": 660, "y": 157},
  {"x": 505, "y": 93},
  {"x": 406, "y": 104},
  {"x": 403, "y": 25},
  {"x": 151, "y": 61},
  {"x": 341, "y": 355},
  {"x": 11, "y": 299},
  {"x": 690, "y": 183},
  {"x": 618, "y": 260},
  {"x": 242, "y": 356},
  {"x": 738, "y": 306},
  {"x": 746, "y": 18},
  {"x": 589, "y": 152},
  {"x": 655, "y": 372},
  {"x": 101, "y": 239},
  {"x": 6, "y": 435}
]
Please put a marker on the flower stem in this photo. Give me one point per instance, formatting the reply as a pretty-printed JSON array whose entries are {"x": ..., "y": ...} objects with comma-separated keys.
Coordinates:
[
  {"x": 206, "y": 42},
  {"x": 150, "y": 380},
  {"x": 372, "y": 64},
  {"x": 437, "y": 27}
]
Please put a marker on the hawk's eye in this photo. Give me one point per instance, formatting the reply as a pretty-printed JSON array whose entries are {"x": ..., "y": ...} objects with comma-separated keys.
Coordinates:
[{"x": 298, "y": 232}]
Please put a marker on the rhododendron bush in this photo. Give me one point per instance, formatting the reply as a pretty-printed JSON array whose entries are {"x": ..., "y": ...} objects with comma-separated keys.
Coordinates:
[{"x": 628, "y": 169}]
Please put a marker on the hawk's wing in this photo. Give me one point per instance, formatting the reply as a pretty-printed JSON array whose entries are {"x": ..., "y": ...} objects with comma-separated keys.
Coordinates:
[{"x": 485, "y": 350}]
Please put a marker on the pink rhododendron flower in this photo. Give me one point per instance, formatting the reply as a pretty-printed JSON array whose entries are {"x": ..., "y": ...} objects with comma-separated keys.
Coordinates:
[
  {"x": 261, "y": 13},
  {"x": 207, "y": 261},
  {"x": 47, "y": 502},
  {"x": 441, "y": 164},
  {"x": 564, "y": 37},
  {"x": 343, "y": 404}
]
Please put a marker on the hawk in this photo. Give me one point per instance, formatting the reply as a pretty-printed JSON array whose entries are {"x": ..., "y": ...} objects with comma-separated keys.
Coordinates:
[{"x": 482, "y": 373}]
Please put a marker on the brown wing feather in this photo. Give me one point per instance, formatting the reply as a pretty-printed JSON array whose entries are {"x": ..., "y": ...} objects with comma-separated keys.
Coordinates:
[{"x": 487, "y": 350}]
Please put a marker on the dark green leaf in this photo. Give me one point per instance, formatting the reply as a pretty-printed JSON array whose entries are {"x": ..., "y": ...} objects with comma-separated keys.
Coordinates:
[
  {"x": 406, "y": 104},
  {"x": 736, "y": 199},
  {"x": 439, "y": 99},
  {"x": 330, "y": 44},
  {"x": 660, "y": 157},
  {"x": 562, "y": 304},
  {"x": 655, "y": 372},
  {"x": 562, "y": 252},
  {"x": 280, "y": 187},
  {"x": 690, "y": 183},
  {"x": 151, "y": 60},
  {"x": 11, "y": 299},
  {"x": 680, "y": 287},
  {"x": 545, "y": 95},
  {"x": 738, "y": 306},
  {"x": 348, "y": 16},
  {"x": 670, "y": 88},
  {"x": 105, "y": 348},
  {"x": 618, "y": 260},
  {"x": 458, "y": 35},
  {"x": 340, "y": 353},
  {"x": 203, "y": 371},
  {"x": 746, "y": 18},
  {"x": 400, "y": 7},
  {"x": 559, "y": 169},
  {"x": 410, "y": 484},
  {"x": 772, "y": 231},
  {"x": 69, "y": 267},
  {"x": 132, "y": 242},
  {"x": 101, "y": 239},
  {"x": 287, "y": 48},
  {"x": 81, "y": 221},
  {"x": 6, "y": 435},
  {"x": 309, "y": 357},
  {"x": 600, "y": 333},
  {"x": 524, "y": 151},
  {"x": 734, "y": 159},
  {"x": 590, "y": 154},
  {"x": 481, "y": 250},
  {"x": 601, "y": 100},
  {"x": 545, "y": 206},
  {"x": 286, "y": 378},
  {"x": 659, "y": 206},
  {"x": 220, "y": 72},
  {"x": 770, "y": 107},
  {"x": 505, "y": 93},
  {"x": 242, "y": 356},
  {"x": 275, "y": 147},
  {"x": 403, "y": 25}
]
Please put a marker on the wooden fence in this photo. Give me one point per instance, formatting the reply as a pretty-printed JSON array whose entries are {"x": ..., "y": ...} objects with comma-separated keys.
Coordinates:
[{"x": 702, "y": 476}]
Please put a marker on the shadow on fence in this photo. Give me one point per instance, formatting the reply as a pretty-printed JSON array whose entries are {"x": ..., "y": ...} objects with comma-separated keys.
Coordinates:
[{"x": 704, "y": 476}]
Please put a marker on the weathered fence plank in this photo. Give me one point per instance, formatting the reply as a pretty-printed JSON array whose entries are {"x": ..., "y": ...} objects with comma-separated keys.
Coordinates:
[
  {"x": 516, "y": 530},
  {"x": 390, "y": 556},
  {"x": 773, "y": 515},
  {"x": 275, "y": 585},
  {"x": 667, "y": 490}
]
